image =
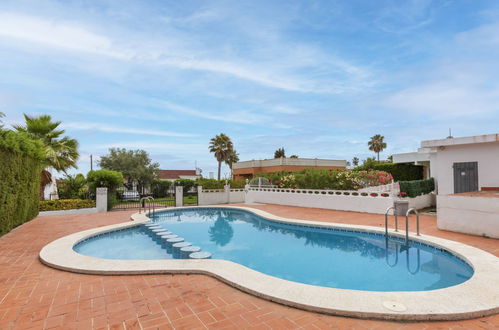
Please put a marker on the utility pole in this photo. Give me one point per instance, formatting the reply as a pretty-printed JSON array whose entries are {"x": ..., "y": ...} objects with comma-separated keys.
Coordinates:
[{"x": 91, "y": 164}]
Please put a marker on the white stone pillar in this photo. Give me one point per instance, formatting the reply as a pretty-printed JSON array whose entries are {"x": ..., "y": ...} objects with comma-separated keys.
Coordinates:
[
  {"x": 227, "y": 193},
  {"x": 200, "y": 195},
  {"x": 179, "y": 196},
  {"x": 101, "y": 199}
]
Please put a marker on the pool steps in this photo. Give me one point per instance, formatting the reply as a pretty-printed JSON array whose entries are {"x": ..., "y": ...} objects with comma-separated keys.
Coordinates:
[{"x": 176, "y": 245}]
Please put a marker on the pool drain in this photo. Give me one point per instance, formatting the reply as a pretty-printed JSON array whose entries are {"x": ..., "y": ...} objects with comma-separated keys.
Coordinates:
[{"x": 394, "y": 306}]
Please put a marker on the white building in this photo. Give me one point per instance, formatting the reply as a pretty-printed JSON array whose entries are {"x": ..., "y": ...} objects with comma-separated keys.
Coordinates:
[
  {"x": 459, "y": 164},
  {"x": 466, "y": 172}
]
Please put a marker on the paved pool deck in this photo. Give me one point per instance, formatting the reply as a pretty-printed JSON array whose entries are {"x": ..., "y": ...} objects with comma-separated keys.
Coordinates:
[{"x": 34, "y": 296}]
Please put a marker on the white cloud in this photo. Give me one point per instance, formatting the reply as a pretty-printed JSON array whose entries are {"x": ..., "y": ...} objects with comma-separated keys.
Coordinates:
[
  {"x": 241, "y": 117},
  {"x": 272, "y": 70},
  {"x": 55, "y": 34},
  {"x": 116, "y": 129}
]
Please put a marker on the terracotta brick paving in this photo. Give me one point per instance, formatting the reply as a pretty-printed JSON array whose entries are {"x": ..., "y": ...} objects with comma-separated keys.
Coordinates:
[{"x": 33, "y": 296}]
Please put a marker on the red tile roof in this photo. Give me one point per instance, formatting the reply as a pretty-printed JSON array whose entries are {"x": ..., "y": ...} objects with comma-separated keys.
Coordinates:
[{"x": 174, "y": 174}]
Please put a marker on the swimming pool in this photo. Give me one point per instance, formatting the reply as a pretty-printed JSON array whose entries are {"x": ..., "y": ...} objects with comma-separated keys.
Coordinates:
[{"x": 327, "y": 257}]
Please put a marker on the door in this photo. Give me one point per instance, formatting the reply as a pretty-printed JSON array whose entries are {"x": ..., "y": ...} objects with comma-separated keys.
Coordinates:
[{"x": 465, "y": 177}]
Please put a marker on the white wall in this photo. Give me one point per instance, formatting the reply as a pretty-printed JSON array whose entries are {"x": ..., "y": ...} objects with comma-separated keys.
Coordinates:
[
  {"x": 470, "y": 215},
  {"x": 333, "y": 200},
  {"x": 220, "y": 196},
  {"x": 486, "y": 154},
  {"x": 423, "y": 201}
]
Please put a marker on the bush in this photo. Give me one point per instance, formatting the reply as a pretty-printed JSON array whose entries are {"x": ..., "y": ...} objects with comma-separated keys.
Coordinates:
[
  {"x": 19, "y": 189},
  {"x": 160, "y": 188},
  {"x": 66, "y": 204},
  {"x": 328, "y": 179},
  {"x": 219, "y": 184},
  {"x": 109, "y": 179},
  {"x": 20, "y": 168},
  {"x": 417, "y": 187},
  {"x": 399, "y": 172},
  {"x": 104, "y": 178},
  {"x": 72, "y": 187},
  {"x": 188, "y": 184}
]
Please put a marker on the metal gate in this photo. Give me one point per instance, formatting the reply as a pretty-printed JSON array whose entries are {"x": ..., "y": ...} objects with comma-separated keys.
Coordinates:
[
  {"x": 191, "y": 196},
  {"x": 465, "y": 177},
  {"x": 129, "y": 200}
]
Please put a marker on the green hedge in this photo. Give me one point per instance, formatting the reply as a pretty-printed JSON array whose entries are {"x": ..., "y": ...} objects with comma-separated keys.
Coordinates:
[
  {"x": 219, "y": 184},
  {"x": 19, "y": 184},
  {"x": 66, "y": 204},
  {"x": 417, "y": 187},
  {"x": 399, "y": 172}
]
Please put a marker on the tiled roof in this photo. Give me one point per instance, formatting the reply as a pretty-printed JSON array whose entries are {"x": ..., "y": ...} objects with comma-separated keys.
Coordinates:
[{"x": 175, "y": 174}]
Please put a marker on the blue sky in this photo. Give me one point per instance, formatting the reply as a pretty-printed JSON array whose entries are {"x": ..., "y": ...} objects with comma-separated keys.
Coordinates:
[{"x": 315, "y": 77}]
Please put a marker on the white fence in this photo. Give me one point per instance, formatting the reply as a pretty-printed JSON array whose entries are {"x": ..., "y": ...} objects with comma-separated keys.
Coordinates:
[
  {"x": 376, "y": 201},
  {"x": 343, "y": 200},
  {"x": 220, "y": 196}
]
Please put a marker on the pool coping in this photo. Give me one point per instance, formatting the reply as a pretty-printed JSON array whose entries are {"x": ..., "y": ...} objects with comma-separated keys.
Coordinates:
[{"x": 476, "y": 297}]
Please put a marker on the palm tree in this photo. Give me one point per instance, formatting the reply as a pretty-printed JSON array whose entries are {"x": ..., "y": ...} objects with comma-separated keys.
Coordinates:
[
  {"x": 355, "y": 161},
  {"x": 222, "y": 147},
  {"x": 61, "y": 153},
  {"x": 232, "y": 158},
  {"x": 377, "y": 144},
  {"x": 280, "y": 153}
]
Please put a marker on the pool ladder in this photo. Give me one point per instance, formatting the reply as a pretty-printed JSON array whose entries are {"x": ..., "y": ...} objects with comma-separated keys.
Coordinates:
[
  {"x": 143, "y": 201},
  {"x": 406, "y": 222}
]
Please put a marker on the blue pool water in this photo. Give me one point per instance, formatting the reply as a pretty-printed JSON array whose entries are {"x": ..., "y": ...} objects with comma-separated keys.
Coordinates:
[{"x": 324, "y": 257}]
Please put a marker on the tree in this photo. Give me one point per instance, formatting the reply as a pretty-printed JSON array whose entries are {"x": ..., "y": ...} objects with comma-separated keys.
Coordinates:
[
  {"x": 355, "y": 161},
  {"x": 231, "y": 159},
  {"x": 293, "y": 156},
  {"x": 280, "y": 153},
  {"x": 222, "y": 148},
  {"x": 61, "y": 153},
  {"x": 390, "y": 158},
  {"x": 135, "y": 165},
  {"x": 1, "y": 116},
  {"x": 377, "y": 144}
]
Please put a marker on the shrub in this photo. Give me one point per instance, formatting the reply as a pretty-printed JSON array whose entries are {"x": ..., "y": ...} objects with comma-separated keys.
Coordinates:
[
  {"x": 19, "y": 189},
  {"x": 328, "y": 179},
  {"x": 66, "y": 204},
  {"x": 160, "y": 188},
  {"x": 20, "y": 167},
  {"x": 219, "y": 184},
  {"x": 416, "y": 187},
  {"x": 72, "y": 186},
  {"x": 104, "y": 178},
  {"x": 399, "y": 172},
  {"x": 188, "y": 184}
]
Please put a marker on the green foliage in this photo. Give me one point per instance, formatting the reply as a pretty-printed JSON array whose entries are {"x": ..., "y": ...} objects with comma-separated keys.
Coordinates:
[
  {"x": 208, "y": 184},
  {"x": 72, "y": 186},
  {"x": 188, "y": 184},
  {"x": 160, "y": 188},
  {"x": 60, "y": 152},
  {"x": 416, "y": 187},
  {"x": 21, "y": 143},
  {"x": 355, "y": 161},
  {"x": 20, "y": 181},
  {"x": 400, "y": 172},
  {"x": 280, "y": 153},
  {"x": 135, "y": 165},
  {"x": 328, "y": 179},
  {"x": 104, "y": 178},
  {"x": 66, "y": 204}
]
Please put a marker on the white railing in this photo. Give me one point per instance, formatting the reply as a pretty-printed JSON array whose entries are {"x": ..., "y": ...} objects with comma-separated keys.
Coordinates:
[{"x": 354, "y": 193}]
